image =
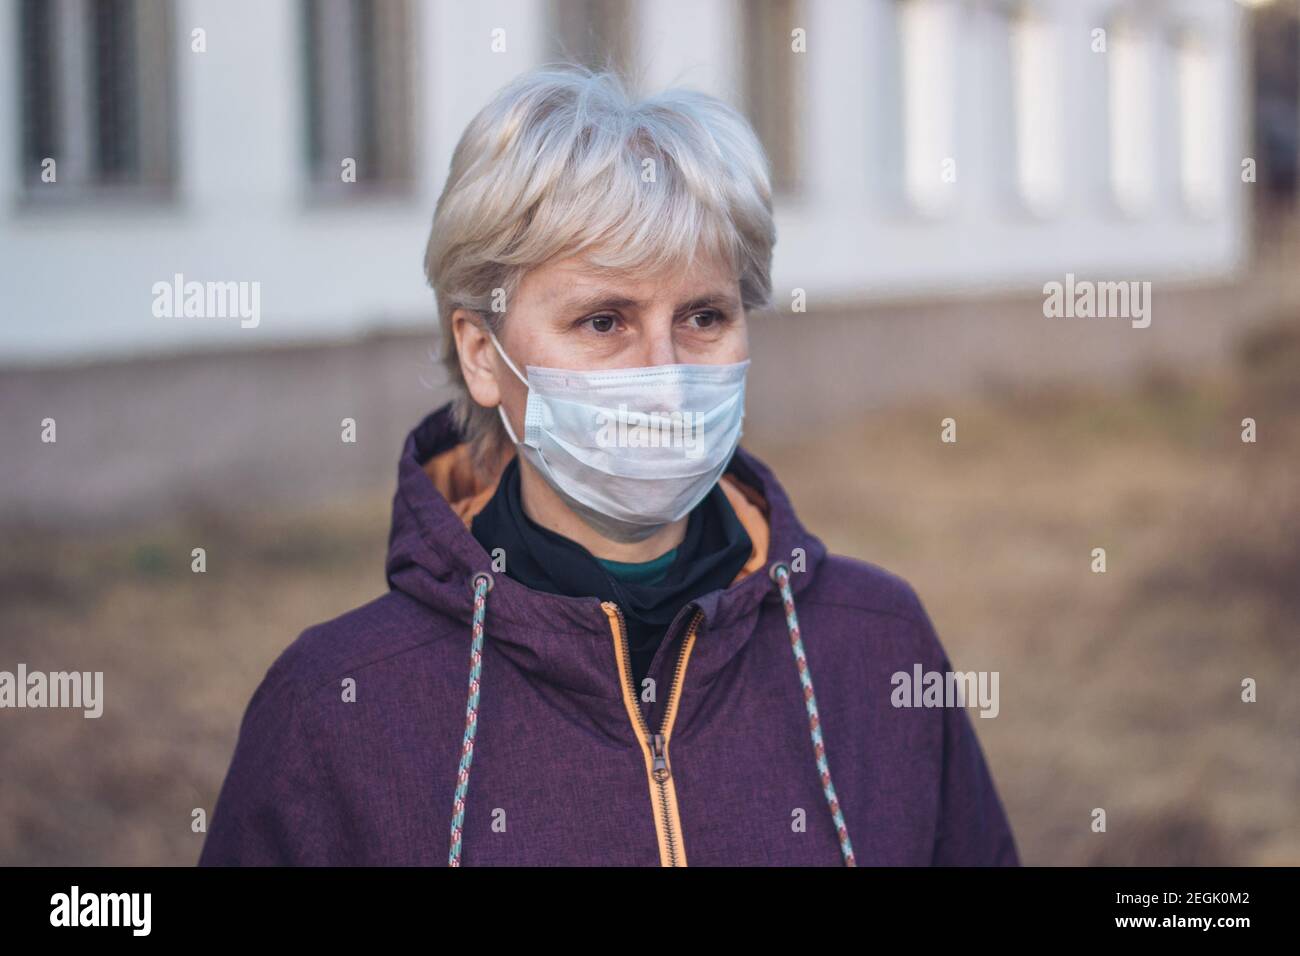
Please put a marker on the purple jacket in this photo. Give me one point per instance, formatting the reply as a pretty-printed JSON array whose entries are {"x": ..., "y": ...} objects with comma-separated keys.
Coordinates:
[{"x": 465, "y": 718}]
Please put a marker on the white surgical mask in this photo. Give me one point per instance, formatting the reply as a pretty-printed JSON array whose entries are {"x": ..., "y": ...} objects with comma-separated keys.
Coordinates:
[{"x": 631, "y": 449}]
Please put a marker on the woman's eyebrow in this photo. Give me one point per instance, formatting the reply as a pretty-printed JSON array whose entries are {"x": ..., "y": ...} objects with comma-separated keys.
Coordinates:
[
  {"x": 613, "y": 300},
  {"x": 599, "y": 300},
  {"x": 717, "y": 300}
]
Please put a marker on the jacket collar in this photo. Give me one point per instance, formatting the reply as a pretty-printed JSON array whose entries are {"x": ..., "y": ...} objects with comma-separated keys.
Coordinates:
[{"x": 566, "y": 641}]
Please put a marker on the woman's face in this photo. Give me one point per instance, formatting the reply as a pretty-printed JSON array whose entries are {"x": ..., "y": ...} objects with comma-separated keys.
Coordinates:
[{"x": 569, "y": 315}]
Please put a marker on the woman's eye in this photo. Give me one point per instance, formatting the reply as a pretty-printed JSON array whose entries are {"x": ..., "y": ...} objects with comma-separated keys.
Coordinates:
[{"x": 706, "y": 320}]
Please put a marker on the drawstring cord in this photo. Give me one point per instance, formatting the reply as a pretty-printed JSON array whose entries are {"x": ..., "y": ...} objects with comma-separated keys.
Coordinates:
[
  {"x": 482, "y": 584},
  {"x": 780, "y": 573}
]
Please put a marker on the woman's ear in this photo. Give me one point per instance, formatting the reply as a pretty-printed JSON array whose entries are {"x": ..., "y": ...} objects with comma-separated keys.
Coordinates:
[{"x": 477, "y": 357}]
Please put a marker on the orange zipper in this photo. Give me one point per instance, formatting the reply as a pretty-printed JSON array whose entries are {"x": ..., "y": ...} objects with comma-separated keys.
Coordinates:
[{"x": 654, "y": 746}]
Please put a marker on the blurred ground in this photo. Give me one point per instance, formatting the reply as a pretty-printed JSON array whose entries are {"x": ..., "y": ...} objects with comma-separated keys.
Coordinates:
[{"x": 1119, "y": 690}]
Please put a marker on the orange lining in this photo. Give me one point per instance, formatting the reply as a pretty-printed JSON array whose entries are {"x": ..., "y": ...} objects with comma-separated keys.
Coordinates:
[{"x": 453, "y": 475}]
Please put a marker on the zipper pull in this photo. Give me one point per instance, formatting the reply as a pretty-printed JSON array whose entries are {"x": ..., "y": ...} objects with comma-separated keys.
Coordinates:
[{"x": 660, "y": 769}]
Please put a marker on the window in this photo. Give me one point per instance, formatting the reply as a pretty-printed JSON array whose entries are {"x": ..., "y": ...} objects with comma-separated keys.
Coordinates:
[
  {"x": 595, "y": 33},
  {"x": 96, "y": 97},
  {"x": 1037, "y": 93},
  {"x": 772, "y": 84},
  {"x": 360, "y": 108},
  {"x": 1130, "y": 93},
  {"x": 927, "y": 51},
  {"x": 1200, "y": 124}
]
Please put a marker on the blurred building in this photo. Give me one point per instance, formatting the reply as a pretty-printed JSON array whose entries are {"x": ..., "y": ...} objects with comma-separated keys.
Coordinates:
[{"x": 919, "y": 147}]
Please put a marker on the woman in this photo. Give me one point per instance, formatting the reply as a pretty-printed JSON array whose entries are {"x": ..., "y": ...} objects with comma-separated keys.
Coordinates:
[{"x": 579, "y": 539}]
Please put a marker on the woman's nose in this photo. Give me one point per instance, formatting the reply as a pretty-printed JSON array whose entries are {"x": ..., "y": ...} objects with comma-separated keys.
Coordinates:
[{"x": 659, "y": 347}]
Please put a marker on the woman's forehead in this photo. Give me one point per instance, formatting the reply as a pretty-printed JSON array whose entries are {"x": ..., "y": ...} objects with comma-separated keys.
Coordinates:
[{"x": 576, "y": 279}]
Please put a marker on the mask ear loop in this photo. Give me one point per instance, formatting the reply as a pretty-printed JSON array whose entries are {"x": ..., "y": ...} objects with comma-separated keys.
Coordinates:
[{"x": 501, "y": 409}]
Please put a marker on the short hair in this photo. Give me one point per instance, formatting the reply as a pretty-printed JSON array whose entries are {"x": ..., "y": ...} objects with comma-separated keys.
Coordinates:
[{"x": 555, "y": 165}]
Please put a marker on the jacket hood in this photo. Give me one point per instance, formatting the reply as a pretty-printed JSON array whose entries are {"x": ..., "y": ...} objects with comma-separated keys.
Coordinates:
[{"x": 433, "y": 558}]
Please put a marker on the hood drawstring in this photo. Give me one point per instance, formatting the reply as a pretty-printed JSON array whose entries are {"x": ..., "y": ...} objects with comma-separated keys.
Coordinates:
[
  {"x": 780, "y": 573},
  {"x": 482, "y": 584}
]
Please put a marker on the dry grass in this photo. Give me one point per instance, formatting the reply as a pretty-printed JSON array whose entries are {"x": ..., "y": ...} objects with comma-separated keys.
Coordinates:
[{"x": 1119, "y": 690}]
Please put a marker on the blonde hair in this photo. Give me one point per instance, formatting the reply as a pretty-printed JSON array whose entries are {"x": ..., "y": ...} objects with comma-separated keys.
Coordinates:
[{"x": 563, "y": 161}]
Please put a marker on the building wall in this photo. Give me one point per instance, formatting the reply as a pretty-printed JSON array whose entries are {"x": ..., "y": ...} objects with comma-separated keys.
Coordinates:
[{"x": 77, "y": 277}]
